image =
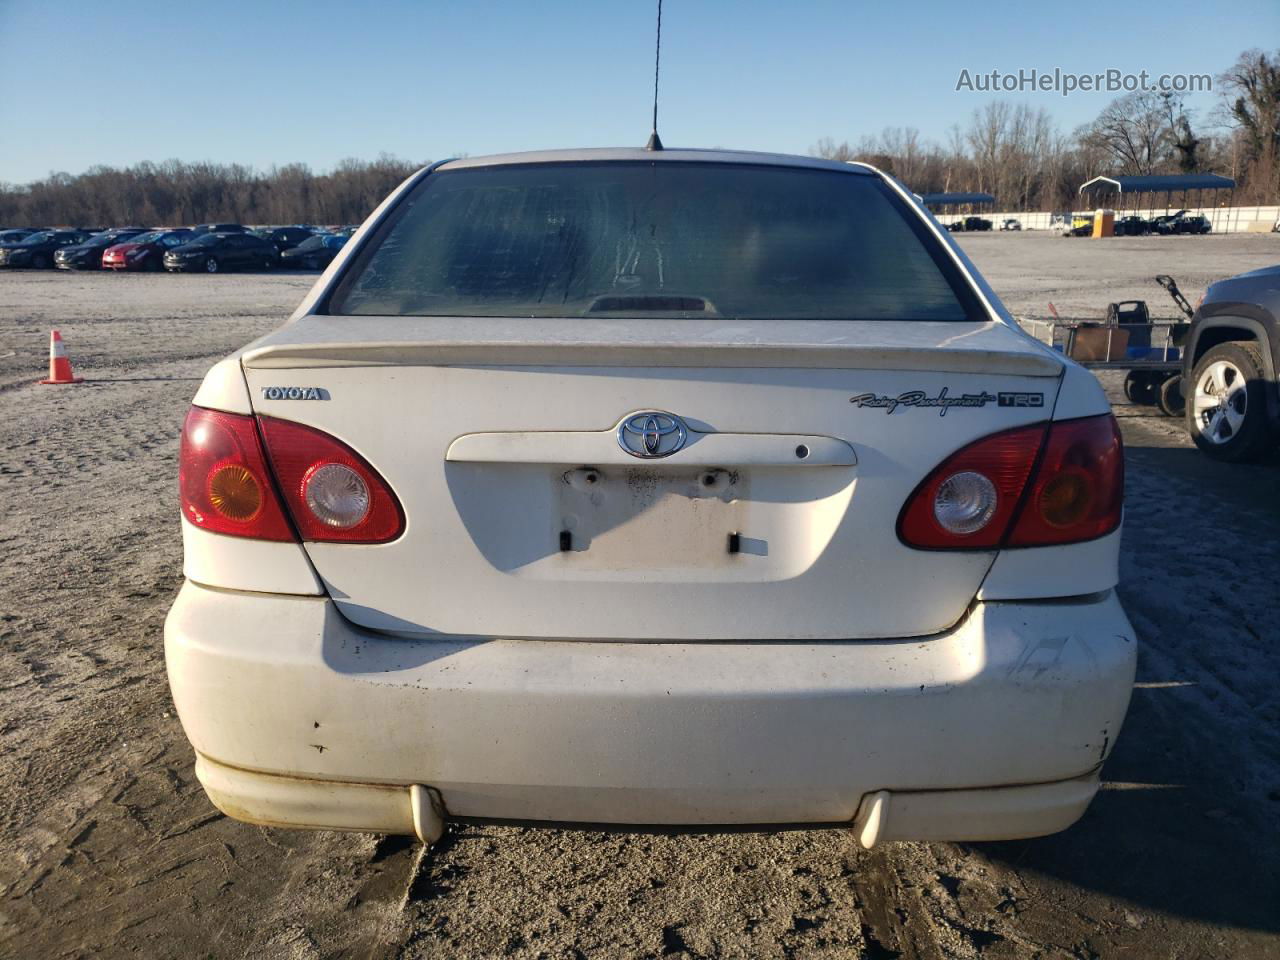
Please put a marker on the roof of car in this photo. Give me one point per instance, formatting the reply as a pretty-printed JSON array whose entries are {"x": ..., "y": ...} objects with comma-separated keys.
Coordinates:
[{"x": 634, "y": 154}]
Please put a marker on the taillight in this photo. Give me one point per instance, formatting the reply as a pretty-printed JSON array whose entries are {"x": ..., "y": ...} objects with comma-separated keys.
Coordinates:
[
  {"x": 331, "y": 492},
  {"x": 1051, "y": 483},
  {"x": 1078, "y": 489},
  {"x": 1003, "y": 461},
  {"x": 223, "y": 478}
]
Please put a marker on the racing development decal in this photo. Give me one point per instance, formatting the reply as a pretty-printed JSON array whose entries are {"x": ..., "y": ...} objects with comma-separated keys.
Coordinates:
[{"x": 944, "y": 401}]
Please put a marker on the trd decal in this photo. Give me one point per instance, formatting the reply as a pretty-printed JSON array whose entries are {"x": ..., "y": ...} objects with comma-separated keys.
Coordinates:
[{"x": 1022, "y": 399}]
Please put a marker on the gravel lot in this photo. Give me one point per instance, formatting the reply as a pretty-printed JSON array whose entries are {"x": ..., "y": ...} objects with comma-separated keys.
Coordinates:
[{"x": 109, "y": 848}]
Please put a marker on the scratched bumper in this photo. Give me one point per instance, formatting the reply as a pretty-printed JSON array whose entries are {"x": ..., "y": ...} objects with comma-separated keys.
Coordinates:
[{"x": 649, "y": 733}]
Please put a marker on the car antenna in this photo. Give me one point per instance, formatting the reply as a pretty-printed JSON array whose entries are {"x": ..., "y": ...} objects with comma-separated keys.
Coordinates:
[{"x": 655, "y": 142}]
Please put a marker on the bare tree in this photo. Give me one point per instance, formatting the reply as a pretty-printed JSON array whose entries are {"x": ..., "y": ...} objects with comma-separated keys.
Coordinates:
[
  {"x": 985, "y": 137},
  {"x": 1251, "y": 91},
  {"x": 828, "y": 149},
  {"x": 1186, "y": 144},
  {"x": 1134, "y": 131}
]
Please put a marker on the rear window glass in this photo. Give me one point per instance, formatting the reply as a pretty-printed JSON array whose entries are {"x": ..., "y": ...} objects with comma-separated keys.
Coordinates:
[{"x": 664, "y": 239}]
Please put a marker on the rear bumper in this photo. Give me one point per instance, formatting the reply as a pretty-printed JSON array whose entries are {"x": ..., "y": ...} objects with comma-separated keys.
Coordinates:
[
  {"x": 995, "y": 729},
  {"x": 993, "y": 813}
]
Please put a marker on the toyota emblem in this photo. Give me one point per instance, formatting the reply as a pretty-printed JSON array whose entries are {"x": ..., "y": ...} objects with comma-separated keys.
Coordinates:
[{"x": 650, "y": 434}]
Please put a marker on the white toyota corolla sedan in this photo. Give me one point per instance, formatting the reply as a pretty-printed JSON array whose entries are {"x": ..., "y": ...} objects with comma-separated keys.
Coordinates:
[{"x": 679, "y": 487}]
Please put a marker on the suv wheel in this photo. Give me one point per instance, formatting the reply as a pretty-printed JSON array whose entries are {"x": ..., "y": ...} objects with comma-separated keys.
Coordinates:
[
  {"x": 211, "y": 265},
  {"x": 1226, "y": 403}
]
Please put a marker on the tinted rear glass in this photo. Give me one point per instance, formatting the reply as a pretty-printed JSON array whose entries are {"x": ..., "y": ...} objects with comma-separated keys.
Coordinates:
[{"x": 664, "y": 239}]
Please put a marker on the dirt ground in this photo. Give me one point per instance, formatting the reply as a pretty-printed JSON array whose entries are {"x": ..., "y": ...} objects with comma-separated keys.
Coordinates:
[{"x": 108, "y": 847}]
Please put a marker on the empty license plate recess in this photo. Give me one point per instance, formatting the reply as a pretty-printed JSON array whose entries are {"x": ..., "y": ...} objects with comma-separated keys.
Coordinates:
[
  {"x": 741, "y": 507},
  {"x": 656, "y": 518}
]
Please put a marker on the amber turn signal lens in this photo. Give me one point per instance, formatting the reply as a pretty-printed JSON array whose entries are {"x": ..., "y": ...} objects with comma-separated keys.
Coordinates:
[
  {"x": 1066, "y": 499},
  {"x": 235, "y": 493}
]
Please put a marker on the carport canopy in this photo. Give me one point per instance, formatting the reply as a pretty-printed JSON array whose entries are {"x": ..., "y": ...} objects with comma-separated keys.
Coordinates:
[
  {"x": 1121, "y": 188},
  {"x": 955, "y": 199},
  {"x": 1157, "y": 183}
]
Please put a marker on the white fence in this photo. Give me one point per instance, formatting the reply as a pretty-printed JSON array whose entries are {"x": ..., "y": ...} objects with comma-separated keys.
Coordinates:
[{"x": 1223, "y": 219}]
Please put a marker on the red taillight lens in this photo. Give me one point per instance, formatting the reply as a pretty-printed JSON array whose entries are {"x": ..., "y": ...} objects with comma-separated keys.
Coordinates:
[
  {"x": 331, "y": 492},
  {"x": 1005, "y": 459},
  {"x": 1078, "y": 490},
  {"x": 993, "y": 493},
  {"x": 223, "y": 478}
]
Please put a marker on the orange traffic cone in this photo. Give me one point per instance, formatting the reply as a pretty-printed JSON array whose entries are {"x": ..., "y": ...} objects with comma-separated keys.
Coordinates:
[{"x": 59, "y": 364}]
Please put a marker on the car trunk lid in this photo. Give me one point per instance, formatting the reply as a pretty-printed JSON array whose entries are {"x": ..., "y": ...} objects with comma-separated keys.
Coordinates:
[{"x": 527, "y": 518}]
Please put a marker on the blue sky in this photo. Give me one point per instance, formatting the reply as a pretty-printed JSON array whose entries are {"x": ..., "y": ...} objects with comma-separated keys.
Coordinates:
[{"x": 120, "y": 81}]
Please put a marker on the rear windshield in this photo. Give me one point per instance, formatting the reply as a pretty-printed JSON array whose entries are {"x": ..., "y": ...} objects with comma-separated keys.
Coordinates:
[{"x": 664, "y": 239}]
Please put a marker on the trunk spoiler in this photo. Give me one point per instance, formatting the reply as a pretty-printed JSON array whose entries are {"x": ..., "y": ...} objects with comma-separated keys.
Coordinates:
[{"x": 992, "y": 347}]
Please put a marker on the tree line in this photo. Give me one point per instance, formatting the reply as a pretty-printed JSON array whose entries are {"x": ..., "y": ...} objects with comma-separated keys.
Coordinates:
[
  {"x": 1018, "y": 154},
  {"x": 175, "y": 193}
]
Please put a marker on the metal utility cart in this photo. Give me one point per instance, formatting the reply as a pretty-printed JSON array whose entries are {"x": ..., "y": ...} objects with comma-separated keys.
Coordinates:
[{"x": 1129, "y": 339}]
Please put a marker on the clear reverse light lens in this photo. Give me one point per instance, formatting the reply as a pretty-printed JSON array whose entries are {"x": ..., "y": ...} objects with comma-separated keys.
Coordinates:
[
  {"x": 965, "y": 503},
  {"x": 337, "y": 495}
]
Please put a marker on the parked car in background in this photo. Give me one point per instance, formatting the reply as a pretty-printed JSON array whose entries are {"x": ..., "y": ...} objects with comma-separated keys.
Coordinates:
[
  {"x": 1081, "y": 226},
  {"x": 144, "y": 251},
  {"x": 1195, "y": 225},
  {"x": 37, "y": 250},
  {"x": 1231, "y": 368},
  {"x": 214, "y": 252},
  {"x": 881, "y": 523},
  {"x": 88, "y": 254},
  {"x": 285, "y": 238},
  {"x": 1010, "y": 224},
  {"x": 1132, "y": 226},
  {"x": 1164, "y": 223},
  {"x": 219, "y": 228},
  {"x": 969, "y": 224},
  {"x": 314, "y": 253},
  {"x": 16, "y": 234}
]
